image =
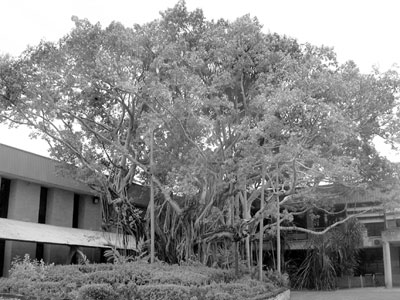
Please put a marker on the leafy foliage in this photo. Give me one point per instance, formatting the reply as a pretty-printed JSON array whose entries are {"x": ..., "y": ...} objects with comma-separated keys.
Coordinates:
[
  {"x": 235, "y": 114},
  {"x": 99, "y": 291},
  {"x": 329, "y": 256},
  {"x": 138, "y": 280}
]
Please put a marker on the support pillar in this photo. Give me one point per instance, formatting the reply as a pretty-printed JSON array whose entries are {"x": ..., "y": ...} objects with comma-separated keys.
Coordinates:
[
  {"x": 23, "y": 205},
  {"x": 387, "y": 264},
  {"x": 59, "y": 212}
]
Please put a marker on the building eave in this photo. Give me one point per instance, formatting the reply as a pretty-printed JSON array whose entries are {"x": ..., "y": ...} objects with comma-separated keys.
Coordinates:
[
  {"x": 19, "y": 164},
  {"x": 16, "y": 230}
]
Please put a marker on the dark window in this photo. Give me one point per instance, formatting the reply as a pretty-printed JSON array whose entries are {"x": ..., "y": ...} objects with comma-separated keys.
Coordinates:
[
  {"x": 103, "y": 259},
  {"x": 336, "y": 215},
  {"x": 75, "y": 215},
  {"x": 320, "y": 220},
  {"x": 4, "y": 195},
  {"x": 374, "y": 229},
  {"x": 42, "y": 206},
  {"x": 300, "y": 220},
  {"x": 370, "y": 261},
  {"x": 41, "y": 220},
  {"x": 39, "y": 251},
  {"x": 74, "y": 259}
]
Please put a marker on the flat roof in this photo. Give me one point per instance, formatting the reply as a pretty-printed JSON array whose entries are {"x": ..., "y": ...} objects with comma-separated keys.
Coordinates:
[
  {"x": 16, "y": 230},
  {"x": 19, "y": 164}
]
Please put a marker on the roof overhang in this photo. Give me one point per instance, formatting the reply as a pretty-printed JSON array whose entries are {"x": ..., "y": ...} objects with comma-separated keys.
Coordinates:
[
  {"x": 49, "y": 234},
  {"x": 20, "y": 164}
]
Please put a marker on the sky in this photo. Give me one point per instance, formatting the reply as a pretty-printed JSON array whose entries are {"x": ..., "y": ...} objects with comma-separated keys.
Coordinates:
[{"x": 366, "y": 32}]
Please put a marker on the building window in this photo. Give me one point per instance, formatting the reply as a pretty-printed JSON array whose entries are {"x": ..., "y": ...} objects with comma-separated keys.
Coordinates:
[
  {"x": 4, "y": 195},
  {"x": 320, "y": 220},
  {"x": 374, "y": 229},
  {"x": 41, "y": 220},
  {"x": 300, "y": 220},
  {"x": 75, "y": 215},
  {"x": 39, "y": 251},
  {"x": 42, "y": 206},
  {"x": 370, "y": 261}
]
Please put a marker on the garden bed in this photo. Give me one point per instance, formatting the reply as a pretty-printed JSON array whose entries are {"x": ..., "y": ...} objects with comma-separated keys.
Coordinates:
[
  {"x": 4, "y": 296},
  {"x": 138, "y": 280}
]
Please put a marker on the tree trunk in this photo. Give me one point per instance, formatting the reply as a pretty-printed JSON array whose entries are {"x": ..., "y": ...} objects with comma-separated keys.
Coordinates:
[
  {"x": 261, "y": 237},
  {"x": 152, "y": 225},
  {"x": 235, "y": 244},
  {"x": 278, "y": 238}
]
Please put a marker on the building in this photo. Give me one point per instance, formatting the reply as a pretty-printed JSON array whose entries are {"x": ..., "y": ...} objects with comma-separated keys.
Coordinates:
[
  {"x": 380, "y": 250},
  {"x": 45, "y": 215},
  {"x": 49, "y": 216}
]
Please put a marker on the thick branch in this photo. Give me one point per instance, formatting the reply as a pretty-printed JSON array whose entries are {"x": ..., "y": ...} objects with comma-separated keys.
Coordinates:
[{"x": 295, "y": 228}]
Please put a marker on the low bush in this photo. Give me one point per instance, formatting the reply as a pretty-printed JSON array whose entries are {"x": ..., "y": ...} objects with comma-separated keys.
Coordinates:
[
  {"x": 278, "y": 279},
  {"x": 135, "y": 280},
  {"x": 6, "y": 285},
  {"x": 163, "y": 292},
  {"x": 100, "y": 291}
]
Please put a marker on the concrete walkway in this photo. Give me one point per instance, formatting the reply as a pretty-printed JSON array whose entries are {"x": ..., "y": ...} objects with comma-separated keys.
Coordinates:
[{"x": 379, "y": 293}]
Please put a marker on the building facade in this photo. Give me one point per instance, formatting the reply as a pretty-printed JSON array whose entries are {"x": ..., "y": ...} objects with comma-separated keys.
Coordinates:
[
  {"x": 379, "y": 256},
  {"x": 46, "y": 215}
]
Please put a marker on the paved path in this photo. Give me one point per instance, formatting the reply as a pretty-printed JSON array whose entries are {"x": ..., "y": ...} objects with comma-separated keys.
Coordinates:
[{"x": 379, "y": 293}]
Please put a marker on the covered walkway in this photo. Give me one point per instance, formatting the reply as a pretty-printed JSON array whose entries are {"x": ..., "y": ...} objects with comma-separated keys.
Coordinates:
[{"x": 380, "y": 293}]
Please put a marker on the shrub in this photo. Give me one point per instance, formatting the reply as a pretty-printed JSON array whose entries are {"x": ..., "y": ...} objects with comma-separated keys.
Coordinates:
[
  {"x": 40, "y": 290},
  {"x": 29, "y": 269},
  {"x": 99, "y": 291},
  {"x": 109, "y": 277},
  {"x": 48, "y": 290},
  {"x": 163, "y": 292},
  {"x": 222, "y": 276},
  {"x": 182, "y": 277},
  {"x": 242, "y": 289},
  {"x": 201, "y": 274},
  {"x": 63, "y": 273},
  {"x": 278, "y": 279},
  {"x": 127, "y": 291},
  {"x": 6, "y": 285},
  {"x": 131, "y": 281}
]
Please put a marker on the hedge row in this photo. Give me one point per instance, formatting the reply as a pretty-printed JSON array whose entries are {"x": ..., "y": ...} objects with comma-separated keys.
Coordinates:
[{"x": 138, "y": 280}]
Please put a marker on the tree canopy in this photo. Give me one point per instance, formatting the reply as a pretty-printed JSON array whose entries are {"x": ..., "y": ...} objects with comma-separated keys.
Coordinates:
[{"x": 235, "y": 113}]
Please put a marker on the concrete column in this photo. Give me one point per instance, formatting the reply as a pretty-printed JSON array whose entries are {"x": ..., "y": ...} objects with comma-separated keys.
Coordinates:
[
  {"x": 89, "y": 217},
  {"x": 387, "y": 264},
  {"x": 59, "y": 212},
  {"x": 24, "y": 206},
  {"x": 24, "y": 201}
]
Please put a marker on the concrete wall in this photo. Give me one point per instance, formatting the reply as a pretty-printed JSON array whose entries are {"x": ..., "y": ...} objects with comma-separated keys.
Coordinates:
[
  {"x": 90, "y": 218},
  {"x": 19, "y": 164},
  {"x": 23, "y": 205},
  {"x": 60, "y": 206},
  {"x": 59, "y": 212},
  {"x": 89, "y": 213}
]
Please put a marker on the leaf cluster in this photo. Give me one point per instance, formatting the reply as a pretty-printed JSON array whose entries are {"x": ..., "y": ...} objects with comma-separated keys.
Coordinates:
[{"x": 232, "y": 112}]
